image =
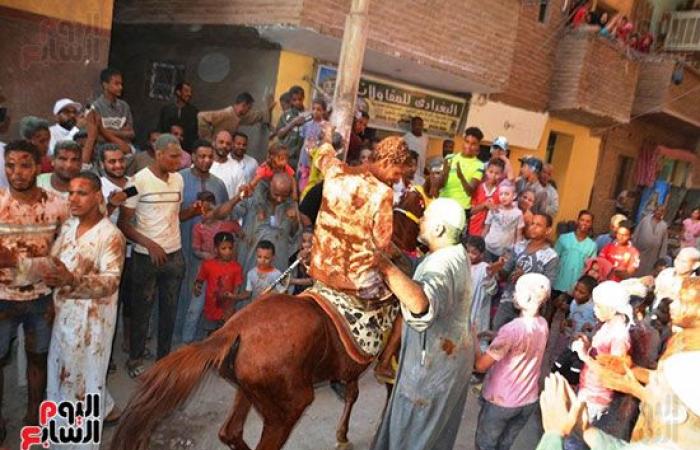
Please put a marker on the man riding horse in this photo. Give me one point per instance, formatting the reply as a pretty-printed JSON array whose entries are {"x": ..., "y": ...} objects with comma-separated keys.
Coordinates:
[{"x": 279, "y": 346}]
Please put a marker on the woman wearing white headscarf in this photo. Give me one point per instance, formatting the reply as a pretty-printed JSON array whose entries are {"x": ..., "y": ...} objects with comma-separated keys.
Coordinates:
[{"x": 612, "y": 308}]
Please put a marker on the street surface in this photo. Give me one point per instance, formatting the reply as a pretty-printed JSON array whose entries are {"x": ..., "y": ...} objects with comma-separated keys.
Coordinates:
[{"x": 196, "y": 425}]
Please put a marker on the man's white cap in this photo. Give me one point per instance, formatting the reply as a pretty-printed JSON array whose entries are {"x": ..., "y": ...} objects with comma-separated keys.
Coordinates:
[
  {"x": 62, "y": 103},
  {"x": 500, "y": 142},
  {"x": 615, "y": 296},
  {"x": 448, "y": 212}
]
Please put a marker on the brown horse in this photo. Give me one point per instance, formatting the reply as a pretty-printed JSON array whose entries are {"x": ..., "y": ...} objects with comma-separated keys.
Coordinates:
[{"x": 274, "y": 350}]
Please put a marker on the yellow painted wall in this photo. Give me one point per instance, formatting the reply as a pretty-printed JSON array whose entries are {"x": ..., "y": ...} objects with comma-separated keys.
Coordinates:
[
  {"x": 96, "y": 13},
  {"x": 575, "y": 182},
  {"x": 293, "y": 69}
]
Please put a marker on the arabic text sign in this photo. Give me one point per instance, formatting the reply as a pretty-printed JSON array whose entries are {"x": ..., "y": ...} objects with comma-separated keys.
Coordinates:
[{"x": 392, "y": 104}]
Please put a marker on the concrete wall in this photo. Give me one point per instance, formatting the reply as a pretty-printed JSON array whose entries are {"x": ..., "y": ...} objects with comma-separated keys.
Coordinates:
[
  {"x": 50, "y": 50},
  {"x": 252, "y": 67}
]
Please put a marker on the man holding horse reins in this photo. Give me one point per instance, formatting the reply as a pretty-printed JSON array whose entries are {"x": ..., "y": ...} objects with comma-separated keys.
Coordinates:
[{"x": 437, "y": 353}]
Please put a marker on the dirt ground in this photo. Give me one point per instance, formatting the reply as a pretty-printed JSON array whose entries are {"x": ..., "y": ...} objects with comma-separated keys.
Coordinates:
[{"x": 196, "y": 425}]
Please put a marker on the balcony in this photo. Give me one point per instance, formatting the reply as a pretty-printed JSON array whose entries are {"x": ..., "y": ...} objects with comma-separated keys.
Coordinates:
[
  {"x": 659, "y": 97},
  {"x": 684, "y": 32},
  {"x": 594, "y": 80}
]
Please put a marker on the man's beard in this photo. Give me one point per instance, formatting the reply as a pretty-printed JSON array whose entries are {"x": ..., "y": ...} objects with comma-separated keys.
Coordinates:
[
  {"x": 114, "y": 175},
  {"x": 221, "y": 153},
  {"x": 68, "y": 125}
]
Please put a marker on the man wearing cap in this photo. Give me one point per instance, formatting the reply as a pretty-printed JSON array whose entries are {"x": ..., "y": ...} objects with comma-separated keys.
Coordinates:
[
  {"x": 499, "y": 149},
  {"x": 529, "y": 180},
  {"x": 66, "y": 112},
  {"x": 436, "y": 357}
]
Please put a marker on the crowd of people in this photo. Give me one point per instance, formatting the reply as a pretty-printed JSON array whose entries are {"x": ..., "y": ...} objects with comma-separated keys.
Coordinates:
[
  {"x": 192, "y": 227},
  {"x": 618, "y": 27}
]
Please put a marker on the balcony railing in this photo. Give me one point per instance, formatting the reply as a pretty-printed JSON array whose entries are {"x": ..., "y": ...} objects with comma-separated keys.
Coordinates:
[{"x": 684, "y": 32}]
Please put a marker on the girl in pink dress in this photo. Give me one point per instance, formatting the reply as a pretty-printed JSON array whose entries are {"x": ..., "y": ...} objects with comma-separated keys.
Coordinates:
[{"x": 691, "y": 229}]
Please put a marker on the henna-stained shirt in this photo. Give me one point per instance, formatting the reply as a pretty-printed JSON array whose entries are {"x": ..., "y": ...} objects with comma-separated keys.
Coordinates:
[
  {"x": 353, "y": 227},
  {"x": 28, "y": 231}
]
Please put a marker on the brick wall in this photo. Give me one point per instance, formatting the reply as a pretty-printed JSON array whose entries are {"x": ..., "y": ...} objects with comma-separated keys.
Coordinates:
[
  {"x": 469, "y": 38},
  {"x": 595, "y": 80},
  {"x": 44, "y": 59},
  {"x": 627, "y": 140},
  {"x": 533, "y": 58},
  {"x": 209, "y": 12}
]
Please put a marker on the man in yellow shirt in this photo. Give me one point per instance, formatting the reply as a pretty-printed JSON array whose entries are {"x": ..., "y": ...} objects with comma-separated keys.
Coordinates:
[{"x": 464, "y": 171}]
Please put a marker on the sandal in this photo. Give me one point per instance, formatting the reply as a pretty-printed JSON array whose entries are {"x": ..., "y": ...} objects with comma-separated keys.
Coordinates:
[
  {"x": 113, "y": 417},
  {"x": 385, "y": 376},
  {"x": 135, "y": 368},
  {"x": 111, "y": 368},
  {"x": 147, "y": 354}
]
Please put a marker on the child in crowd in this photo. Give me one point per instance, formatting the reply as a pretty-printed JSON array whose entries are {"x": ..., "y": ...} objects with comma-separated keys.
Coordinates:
[
  {"x": 504, "y": 223},
  {"x": 621, "y": 253},
  {"x": 486, "y": 196},
  {"x": 582, "y": 317},
  {"x": 598, "y": 268},
  {"x": 365, "y": 155},
  {"x": 483, "y": 282},
  {"x": 223, "y": 276},
  {"x": 526, "y": 201},
  {"x": 300, "y": 279},
  {"x": 277, "y": 161},
  {"x": 575, "y": 314},
  {"x": 204, "y": 232},
  {"x": 612, "y": 339},
  {"x": 691, "y": 229},
  {"x": 311, "y": 132},
  {"x": 513, "y": 361},
  {"x": 261, "y": 277}
]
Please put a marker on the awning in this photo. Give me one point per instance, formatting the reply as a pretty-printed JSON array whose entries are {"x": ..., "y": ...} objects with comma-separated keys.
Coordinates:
[{"x": 677, "y": 153}]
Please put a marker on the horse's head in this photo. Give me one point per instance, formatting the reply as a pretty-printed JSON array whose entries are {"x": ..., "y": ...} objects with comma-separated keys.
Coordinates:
[{"x": 407, "y": 216}]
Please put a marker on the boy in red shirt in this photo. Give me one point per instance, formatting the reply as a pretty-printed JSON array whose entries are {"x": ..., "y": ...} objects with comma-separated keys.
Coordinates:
[
  {"x": 223, "y": 276},
  {"x": 486, "y": 196},
  {"x": 621, "y": 253}
]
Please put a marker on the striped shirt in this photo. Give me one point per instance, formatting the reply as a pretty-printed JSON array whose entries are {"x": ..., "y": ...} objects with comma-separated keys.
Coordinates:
[
  {"x": 157, "y": 206},
  {"x": 28, "y": 231}
]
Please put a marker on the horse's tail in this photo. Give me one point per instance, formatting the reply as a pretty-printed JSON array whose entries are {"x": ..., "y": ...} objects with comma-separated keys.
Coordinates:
[{"x": 169, "y": 383}]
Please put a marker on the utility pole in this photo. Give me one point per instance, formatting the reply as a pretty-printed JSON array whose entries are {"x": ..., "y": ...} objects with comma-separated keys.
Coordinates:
[{"x": 352, "y": 53}]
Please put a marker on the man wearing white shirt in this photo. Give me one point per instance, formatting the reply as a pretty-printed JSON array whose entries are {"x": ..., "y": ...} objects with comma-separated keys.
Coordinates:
[
  {"x": 66, "y": 112},
  {"x": 418, "y": 142},
  {"x": 247, "y": 163},
  {"x": 225, "y": 168},
  {"x": 151, "y": 219}
]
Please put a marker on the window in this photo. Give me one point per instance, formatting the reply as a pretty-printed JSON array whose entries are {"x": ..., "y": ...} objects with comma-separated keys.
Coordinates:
[
  {"x": 162, "y": 79},
  {"x": 623, "y": 176},
  {"x": 544, "y": 6}
]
